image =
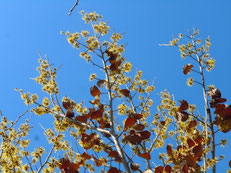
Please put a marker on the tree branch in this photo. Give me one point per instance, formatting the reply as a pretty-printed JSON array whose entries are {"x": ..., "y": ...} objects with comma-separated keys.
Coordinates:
[{"x": 71, "y": 10}]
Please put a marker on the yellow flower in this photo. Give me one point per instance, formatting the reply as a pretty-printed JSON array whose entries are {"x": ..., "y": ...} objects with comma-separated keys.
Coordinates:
[
  {"x": 122, "y": 109},
  {"x": 92, "y": 76},
  {"x": 190, "y": 81},
  {"x": 127, "y": 67}
]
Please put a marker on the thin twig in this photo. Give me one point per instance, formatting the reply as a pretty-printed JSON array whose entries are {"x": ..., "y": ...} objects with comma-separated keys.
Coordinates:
[{"x": 71, "y": 10}]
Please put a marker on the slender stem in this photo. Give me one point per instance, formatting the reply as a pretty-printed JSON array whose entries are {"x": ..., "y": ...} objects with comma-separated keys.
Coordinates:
[
  {"x": 208, "y": 116},
  {"x": 70, "y": 11},
  {"x": 114, "y": 136}
]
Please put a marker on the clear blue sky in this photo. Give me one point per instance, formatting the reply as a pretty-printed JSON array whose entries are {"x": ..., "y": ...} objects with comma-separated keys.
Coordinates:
[{"x": 26, "y": 26}]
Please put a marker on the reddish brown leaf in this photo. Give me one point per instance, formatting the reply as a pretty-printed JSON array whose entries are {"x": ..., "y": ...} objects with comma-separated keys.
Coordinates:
[
  {"x": 113, "y": 170},
  {"x": 125, "y": 92},
  {"x": 139, "y": 127},
  {"x": 98, "y": 162},
  {"x": 185, "y": 168},
  {"x": 118, "y": 159},
  {"x": 230, "y": 163},
  {"x": 145, "y": 134},
  {"x": 159, "y": 169},
  {"x": 169, "y": 149},
  {"x": 198, "y": 151},
  {"x": 66, "y": 104},
  {"x": 130, "y": 121},
  {"x": 190, "y": 142},
  {"x": 181, "y": 116},
  {"x": 65, "y": 162},
  {"x": 100, "y": 83},
  {"x": 214, "y": 93},
  {"x": 69, "y": 114},
  {"x": 97, "y": 114},
  {"x": 219, "y": 108},
  {"x": 191, "y": 161},
  {"x": 162, "y": 123},
  {"x": 133, "y": 139},
  {"x": 82, "y": 119},
  {"x": 226, "y": 114},
  {"x": 111, "y": 55},
  {"x": 115, "y": 65},
  {"x": 145, "y": 156},
  {"x": 168, "y": 169},
  {"x": 137, "y": 116},
  {"x": 183, "y": 106},
  {"x": 85, "y": 156},
  {"x": 113, "y": 154},
  {"x": 135, "y": 166},
  {"x": 95, "y": 91},
  {"x": 73, "y": 167},
  {"x": 187, "y": 68}
]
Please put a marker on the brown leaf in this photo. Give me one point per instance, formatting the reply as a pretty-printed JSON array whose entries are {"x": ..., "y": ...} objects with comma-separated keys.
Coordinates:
[
  {"x": 137, "y": 116},
  {"x": 66, "y": 104},
  {"x": 135, "y": 166},
  {"x": 145, "y": 156},
  {"x": 112, "y": 56},
  {"x": 182, "y": 116},
  {"x": 214, "y": 93},
  {"x": 64, "y": 163},
  {"x": 169, "y": 149},
  {"x": 85, "y": 156},
  {"x": 190, "y": 142},
  {"x": 145, "y": 134},
  {"x": 187, "y": 68},
  {"x": 115, "y": 65},
  {"x": 125, "y": 92},
  {"x": 113, "y": 170},
  {"x": 198, "y": 151},
  {"x": 219, "y": 108},
  {"x": 185, "y": 168},
  {"x": 159, "y": 169},
  {"x": 139, "y": 127},
  {"x": 226, "y": 114},
  {"x": 69, "y": 113},
  {"x": 82, "y": 119},
  {"x": 113, "y": 154},
  {"x": 183, "y": 106},
  {"x": 191, "y": 161},
  {"x": 95, "y": 91},
  {"x": 130, "y": 121},
  {"x": 97, "y": 114},
  {"x": 101, "y": 83},
  {"x": 168, "y": 169},
  {"x": 230, "y": 163}
]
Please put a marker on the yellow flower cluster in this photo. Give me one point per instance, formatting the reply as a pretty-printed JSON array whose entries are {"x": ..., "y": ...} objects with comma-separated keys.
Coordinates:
[
  {"x": 40, "y": 110},
  {"x": 86, "y": 56},
  {"x": 90, "y": 17},
  {"x": 190, "y": 81},
  {"x": 73, "y": 39},
  {"x": 27, "y": 97},
  {"x": 116, "y": 37},
  {"x": 210, "y": 64},
  {"x": 47, "y": 77},
  {"x": 127, "y": 67},
  {"x": 12, "y": 146},
  {"x": 101, "y": 28},
  {"x": 92, "y": 76},
  {"x": 122, "y": 109}
]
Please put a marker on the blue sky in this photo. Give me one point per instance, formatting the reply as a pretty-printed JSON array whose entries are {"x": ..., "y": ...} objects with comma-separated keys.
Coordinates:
[{"x": 26, "y": 26}]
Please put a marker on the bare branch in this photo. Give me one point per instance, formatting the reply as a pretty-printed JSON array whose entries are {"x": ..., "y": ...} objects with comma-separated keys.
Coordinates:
[{"x": 70, "y": 11}]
